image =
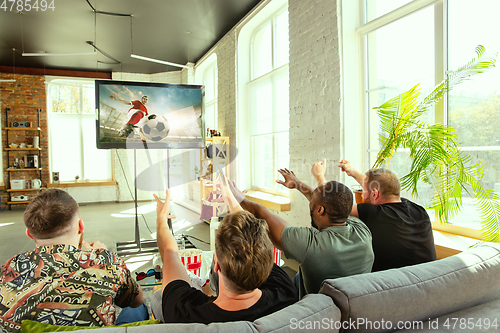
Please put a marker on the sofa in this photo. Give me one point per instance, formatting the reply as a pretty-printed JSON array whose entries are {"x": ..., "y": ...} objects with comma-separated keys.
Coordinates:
[{"x": 456, "y": 294}]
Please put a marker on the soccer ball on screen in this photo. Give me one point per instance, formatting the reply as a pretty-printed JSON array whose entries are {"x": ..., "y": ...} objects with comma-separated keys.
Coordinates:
[{"x": 156, "y": 128}]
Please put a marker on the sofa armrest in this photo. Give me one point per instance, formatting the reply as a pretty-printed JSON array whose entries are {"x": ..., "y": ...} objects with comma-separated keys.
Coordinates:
[{"x": 421, "y": 291}]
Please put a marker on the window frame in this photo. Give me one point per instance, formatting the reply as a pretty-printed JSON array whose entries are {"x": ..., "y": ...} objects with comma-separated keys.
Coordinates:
[
  {"x": 214, "y": 102},
  {"x": 440, "y": 71},
  {"x": 253, "y": 80},
  {"x": 80, "y": 117}
]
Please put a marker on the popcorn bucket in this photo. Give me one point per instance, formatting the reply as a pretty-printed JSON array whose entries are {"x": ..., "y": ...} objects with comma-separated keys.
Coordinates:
[
  {"x": 191, "y": 259},
  {"x": 277, "y": 256}
]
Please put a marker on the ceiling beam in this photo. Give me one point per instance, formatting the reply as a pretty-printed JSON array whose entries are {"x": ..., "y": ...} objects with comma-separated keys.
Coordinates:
[{"x": 55, "y": 72}]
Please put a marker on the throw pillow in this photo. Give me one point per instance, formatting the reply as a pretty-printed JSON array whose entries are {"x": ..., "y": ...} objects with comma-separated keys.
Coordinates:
[{"x": 30, "y": 326}]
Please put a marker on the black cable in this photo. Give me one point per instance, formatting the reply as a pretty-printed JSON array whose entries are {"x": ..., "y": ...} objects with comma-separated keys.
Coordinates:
[
  {"x": 199, "y": 240},
  {"x": 131, "y": 36},
  {"x": 106, "y": 13},
  {"x": 128, "y": 186},
  {"x": 22, "y": 31}
]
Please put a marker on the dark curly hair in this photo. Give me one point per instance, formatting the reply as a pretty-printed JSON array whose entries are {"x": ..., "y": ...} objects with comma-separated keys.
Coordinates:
[{"x": 337, "y": 200}]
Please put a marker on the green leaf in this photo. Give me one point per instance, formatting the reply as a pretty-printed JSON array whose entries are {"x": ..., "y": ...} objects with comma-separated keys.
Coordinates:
[{"x": 435, "y": 151}]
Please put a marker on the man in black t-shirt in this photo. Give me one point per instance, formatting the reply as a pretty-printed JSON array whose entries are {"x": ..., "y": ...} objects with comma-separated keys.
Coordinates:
[
  {"x": 401, "y": 229},
  {"x": 250, "y": 285}
]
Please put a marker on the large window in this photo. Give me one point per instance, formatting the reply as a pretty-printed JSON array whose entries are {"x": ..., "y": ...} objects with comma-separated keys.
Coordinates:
[
  {"x": 417, "y": 43},
  {"x": 268, "y": 101},
  {"x": 73, "y": 152},
  {"x": 210, "y": 82}
]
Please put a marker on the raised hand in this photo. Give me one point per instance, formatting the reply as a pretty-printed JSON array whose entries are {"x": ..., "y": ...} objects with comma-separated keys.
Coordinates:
[
  {"x": 291, "y": 181},
  {"x": 238, "y": 195},
  {"x": 318, "y": 170},
  {"x": 228, "y": 196},
  {"x": 163, "y": 207},
  {"x": 346, "y": 166}
]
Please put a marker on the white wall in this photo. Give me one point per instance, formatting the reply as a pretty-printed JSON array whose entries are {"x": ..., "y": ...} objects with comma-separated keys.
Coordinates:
[
  {"x": 123, "y": 191},
  {"x": 316, "y": 118},
  {"x": 316, "y": 122}
]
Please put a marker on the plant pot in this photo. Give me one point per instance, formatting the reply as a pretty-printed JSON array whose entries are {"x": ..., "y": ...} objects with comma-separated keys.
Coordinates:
[{"x": 358, "y": 196}]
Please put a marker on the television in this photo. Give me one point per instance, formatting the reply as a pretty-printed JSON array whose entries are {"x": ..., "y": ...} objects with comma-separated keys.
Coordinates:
[{"x": 149, "y": 115}]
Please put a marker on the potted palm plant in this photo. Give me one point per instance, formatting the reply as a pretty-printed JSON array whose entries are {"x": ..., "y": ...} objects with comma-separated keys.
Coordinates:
[{"x": 436, "y": 157}]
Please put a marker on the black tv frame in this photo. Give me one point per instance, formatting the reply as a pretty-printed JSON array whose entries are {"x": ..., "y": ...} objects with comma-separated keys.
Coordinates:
[{"x": 199, "y": 144}]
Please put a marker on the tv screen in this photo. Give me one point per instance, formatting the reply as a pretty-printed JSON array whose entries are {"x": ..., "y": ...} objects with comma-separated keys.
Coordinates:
[{"x": 149, "y": 115}]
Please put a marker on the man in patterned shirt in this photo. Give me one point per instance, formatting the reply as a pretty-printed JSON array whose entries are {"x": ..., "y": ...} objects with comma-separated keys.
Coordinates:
[{"x": 58, "y": 282}]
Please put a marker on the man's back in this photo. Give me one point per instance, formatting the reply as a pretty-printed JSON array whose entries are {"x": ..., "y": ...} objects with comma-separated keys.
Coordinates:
[
  {"x": 184, "y": 304},
  {"x": 62, "y": 285},
  {"x": 331, "y": 253},
  {"x": 402, "y": 234}
]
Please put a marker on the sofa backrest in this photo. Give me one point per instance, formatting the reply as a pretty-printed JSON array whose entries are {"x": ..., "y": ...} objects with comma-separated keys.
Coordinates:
[
  {"x": 377, "y": 302},
  {"x": 315, "y": 310}
]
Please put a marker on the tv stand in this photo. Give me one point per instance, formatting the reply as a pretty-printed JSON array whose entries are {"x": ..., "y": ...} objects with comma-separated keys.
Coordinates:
[{"x": 141, "y": 246}]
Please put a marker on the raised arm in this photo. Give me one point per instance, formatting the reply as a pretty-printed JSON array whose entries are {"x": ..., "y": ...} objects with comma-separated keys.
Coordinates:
[
  {"x": 346, "y": 166},
  {"x": 113, "y": 97},
  {"x": 276, "y": 224},
  {"x": 173, "y": 269},
  {"x": 358, "y": 176},
  {"x": 291, "y": 181},
  {"x": 228, "y": 196}
]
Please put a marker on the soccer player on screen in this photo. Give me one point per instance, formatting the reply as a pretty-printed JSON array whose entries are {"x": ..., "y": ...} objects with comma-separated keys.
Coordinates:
[{"x": 135, "y": 114}]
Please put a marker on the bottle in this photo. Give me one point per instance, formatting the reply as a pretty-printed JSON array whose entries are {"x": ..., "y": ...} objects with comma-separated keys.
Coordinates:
[{"x": 16, "y": 163}]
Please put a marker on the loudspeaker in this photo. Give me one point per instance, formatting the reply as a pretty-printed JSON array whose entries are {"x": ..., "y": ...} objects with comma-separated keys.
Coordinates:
[
  {"x": 24, "y": 124},
  {"x": 55, "y": 177},
  {"x": 31, "y": 161}
]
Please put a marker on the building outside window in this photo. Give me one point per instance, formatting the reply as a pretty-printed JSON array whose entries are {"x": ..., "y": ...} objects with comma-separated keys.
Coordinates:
[
  {"x": 268, "y": 102},
  {"x": 418, "y": 42},
  {"x": 72, "y": 132}
]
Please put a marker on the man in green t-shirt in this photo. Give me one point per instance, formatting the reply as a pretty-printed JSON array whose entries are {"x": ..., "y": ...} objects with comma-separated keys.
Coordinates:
[{"x": 335, "y": 246}]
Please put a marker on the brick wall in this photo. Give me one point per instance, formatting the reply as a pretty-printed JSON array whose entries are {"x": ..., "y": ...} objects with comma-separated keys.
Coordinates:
[
  {"x": 226, "y": 99},
  {"x": 314, "y": 88},
  {"x": 23, "y": 97},
  {"x": 315, "y": 115}
]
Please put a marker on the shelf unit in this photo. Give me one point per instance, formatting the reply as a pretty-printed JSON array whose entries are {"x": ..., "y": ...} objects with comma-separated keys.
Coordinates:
[
  {"x": 213, "y": 161},
  {"x": 27, "y": 172}
]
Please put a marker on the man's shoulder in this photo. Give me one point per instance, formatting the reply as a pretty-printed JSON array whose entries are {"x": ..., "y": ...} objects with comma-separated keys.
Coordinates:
[
  {"x": 367, "y": 207},
  {"x": 411, "y": 203},
  {"x": 408, "y": 206}
]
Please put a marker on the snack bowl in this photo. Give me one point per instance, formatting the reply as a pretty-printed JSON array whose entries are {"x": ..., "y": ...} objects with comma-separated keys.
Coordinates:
[
  {"x": 29, "y": 146},
  {"x": 13, "y": 145}
]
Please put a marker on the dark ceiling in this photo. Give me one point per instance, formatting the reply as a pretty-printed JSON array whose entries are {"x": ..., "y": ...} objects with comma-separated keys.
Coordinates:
[{"x": 178, "y": 31}]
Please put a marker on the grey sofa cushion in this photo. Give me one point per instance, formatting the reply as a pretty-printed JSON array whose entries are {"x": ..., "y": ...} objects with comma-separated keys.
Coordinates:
[
  {"x": 314, "y": 309},
  {"x": 418, "y": 292},
  {"x": 105, "y": 330},
  {"x": 237, "y": 326},
  {"x": 480, "y": 318}
]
